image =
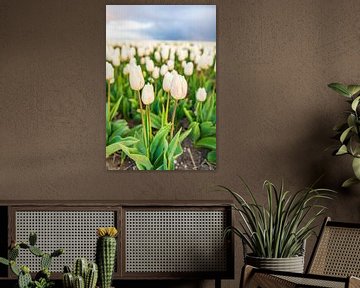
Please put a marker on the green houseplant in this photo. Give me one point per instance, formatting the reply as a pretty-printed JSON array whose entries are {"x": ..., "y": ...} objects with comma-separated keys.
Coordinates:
[
  {"x": 275, "y": 233},
  {"x": 348, "y": 132}
]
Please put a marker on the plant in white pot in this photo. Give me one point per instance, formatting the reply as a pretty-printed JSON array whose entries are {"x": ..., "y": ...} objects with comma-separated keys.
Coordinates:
[{"x": 276, "y": 233}]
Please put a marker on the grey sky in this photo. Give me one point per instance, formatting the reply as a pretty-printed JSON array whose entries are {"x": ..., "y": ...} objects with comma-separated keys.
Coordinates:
[{"x": 161, "y": 22}]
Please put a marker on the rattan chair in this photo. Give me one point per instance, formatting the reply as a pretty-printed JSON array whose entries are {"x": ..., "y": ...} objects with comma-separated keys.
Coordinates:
[{"x": 334, "y": 263}]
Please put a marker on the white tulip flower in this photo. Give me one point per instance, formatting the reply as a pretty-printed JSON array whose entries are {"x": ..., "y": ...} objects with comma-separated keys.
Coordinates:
[
  {"x": 178, "y": 87},
  {"x": 165, "y": 52},
  {"x": 116, "y": 61},
  {"x": 132, "y": 61},
  {"x": 157, "y": 56},
  {"x": 201, "y": 95},
  {"x": 136, "y": 78},
  {"x": 126, "y": 69},
  {"x": 170, "y": 64},
  {"x": 156, "y": 73},
  {"x": 189, "y": 69},
  {"x": 141, "y": 51},
  {"x": 150, "y": 65},
  {"x": 167, "y": 81},
  {"x": 142, "y": 60},
  {"x": 109, "y": 72},
  {"x": 147, "y": 94},
  {"x": 164, "y": 68}
]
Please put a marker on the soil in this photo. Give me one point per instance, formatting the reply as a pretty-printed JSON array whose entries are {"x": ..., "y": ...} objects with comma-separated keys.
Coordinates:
[{"x": 191, "y": 159}]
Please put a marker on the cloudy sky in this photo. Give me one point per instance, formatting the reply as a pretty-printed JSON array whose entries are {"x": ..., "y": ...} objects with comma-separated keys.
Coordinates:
[{"x": 161, "y": 22}]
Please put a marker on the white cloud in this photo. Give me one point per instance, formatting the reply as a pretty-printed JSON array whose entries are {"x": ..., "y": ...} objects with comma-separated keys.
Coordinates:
[{"x": 128, "y": 29}]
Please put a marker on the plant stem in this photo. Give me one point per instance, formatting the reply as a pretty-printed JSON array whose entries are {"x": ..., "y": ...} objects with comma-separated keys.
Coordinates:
[
  {"x": 142, "y": 120},
  {"x": 173, "y": 120},
  {"x": 167, "y": 107},
  {"x": 108, "y": 96}
]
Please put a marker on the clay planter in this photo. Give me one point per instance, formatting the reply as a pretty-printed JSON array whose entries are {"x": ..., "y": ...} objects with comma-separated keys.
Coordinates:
[{"x": 291, "y": 264}]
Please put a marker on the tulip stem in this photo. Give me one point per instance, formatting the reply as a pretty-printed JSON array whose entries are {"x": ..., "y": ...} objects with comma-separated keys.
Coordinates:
[
  {"x": 173, "y": 120},
  {"x": 167, "y": 107},
  {"x": 108, "y": 100},
  {"x": 142, "y": 119},
  {"x": 149, "y": 123}
]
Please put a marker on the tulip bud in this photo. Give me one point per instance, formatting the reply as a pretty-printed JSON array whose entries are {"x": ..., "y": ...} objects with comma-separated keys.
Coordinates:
[
  {"x": 170, "y": 64},
  {"x": 142, "y": 60},
  {"x": 150, "y": 65},
  {"x": 201, "y": 95},
  {"x": 147, "y": 94},
  {"x": 157, "y": 56},
  {"x": 167, "y": 81},
  {"x": 136, "y": 78},
  {"x": 156, "y": 72},
  {"x": 189, "y": 68},
  {"x": 132, "y": 61},
  {"x": 109, "y": 72},
  {"x": 163, "y": 69},
  {"x": 178, "y": 87}
]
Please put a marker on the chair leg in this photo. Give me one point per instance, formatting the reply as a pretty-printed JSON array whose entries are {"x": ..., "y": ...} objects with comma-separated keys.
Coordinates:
[{"x": 217, "y": 283}]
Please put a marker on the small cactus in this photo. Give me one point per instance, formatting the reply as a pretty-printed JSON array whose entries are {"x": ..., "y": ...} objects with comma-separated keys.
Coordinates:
[
  {"x": 106, "y": 254},
  {"x": 91, "y": 276},
  {"x": 79, "y": 282},
  {"x": 83, "y": 274},
  {"x": 80, "y": 268},
  {"x": 23, "y": 273},
  {"x": 24, "y": 280}
]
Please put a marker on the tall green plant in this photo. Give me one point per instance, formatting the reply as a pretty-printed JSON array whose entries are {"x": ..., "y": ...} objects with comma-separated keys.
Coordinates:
[
  {"x": 279, "y": 229},
  {"x": 348, "y": 132}
]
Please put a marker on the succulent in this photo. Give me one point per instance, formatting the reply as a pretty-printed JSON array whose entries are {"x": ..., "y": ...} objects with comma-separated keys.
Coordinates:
[
  {"x": 42, "y": 278},
  {"x": 106, "y": 254},
  {"x": 85, "y": 275}
]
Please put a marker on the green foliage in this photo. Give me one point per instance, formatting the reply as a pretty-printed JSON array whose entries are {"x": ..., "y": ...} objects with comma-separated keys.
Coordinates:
[
  {"x": 279, "y": 229},
  {"x": 348, "y": 132},
  {"x": 42, "y": 278}
]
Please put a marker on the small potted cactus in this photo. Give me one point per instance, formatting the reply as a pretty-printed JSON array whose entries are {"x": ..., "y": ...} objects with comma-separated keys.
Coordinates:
[
  {"x": 42, "y": 278},
  {"x": 85, "y": 275},
  {"x": 106, "y": 254}
]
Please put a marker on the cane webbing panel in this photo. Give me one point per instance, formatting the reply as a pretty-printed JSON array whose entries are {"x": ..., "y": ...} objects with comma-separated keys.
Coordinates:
[
  {"x": 338, "y": 252},
  {"x": 74, "y": 231},
  {"x": 305, "y": 282},
  {"x": 175, "y": 241}
]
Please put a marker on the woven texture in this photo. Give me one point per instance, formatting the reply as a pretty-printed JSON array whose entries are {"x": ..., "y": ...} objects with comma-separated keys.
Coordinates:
[
  {"x": 313, "y": 282},
  {"x": 175, "y": 241},
  {"x": 75, "y": 231},
  {"x": 338, "y": 253}
]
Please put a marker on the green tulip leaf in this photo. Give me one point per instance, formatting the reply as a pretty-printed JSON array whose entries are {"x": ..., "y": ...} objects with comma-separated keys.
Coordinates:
[
  {"x": 207, "y": 129},
  {"x": 157, "y": 144},
  {"x": 195, "y": 131},
  {"x": 211, "y": 157},
  {"x": 155, "y": 121},
  {"x": 207, "y": 142}
]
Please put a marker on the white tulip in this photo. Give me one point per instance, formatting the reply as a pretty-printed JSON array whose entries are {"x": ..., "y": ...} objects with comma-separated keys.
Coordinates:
[
  {"x": 142, "y": 60},
  {"x": 164, "y": 68},
  {"x": 156, "y": 72},
  {"x": 167, "y": 81},
  {"x": 147, "y": 94},
  {"x": 150, "y": 65},
  {"x": 189, "y": 68},
  {"x": 183, "y": 63},
  {"x": 178, "y": 87},
  {"x": 126, "y": 69},
  {"x": 165, "y": 52},
  {"x": 116, "y": 61},
  {"x": 201, "y": 95},
  {"x": 136, "y": 78},
  {"x": 157, "y": 56},
  {"x": 109, "y": 72},
  {"x": 141, "y": 51},
  {"x": 170, "y": 64},
  {"x": 132, "y": 61}
]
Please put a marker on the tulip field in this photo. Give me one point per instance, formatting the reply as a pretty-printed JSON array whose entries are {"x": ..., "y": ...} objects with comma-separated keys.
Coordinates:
[{"x": 160, "y": 105}]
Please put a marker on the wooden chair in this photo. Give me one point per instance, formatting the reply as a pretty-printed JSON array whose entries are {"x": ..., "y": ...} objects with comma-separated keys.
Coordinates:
[{"x": 335, "y": 262}]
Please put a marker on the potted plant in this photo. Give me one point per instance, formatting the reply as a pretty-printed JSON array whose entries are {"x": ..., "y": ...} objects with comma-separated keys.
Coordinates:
[
  {"x": 348, "y": 133},
  {"x": 276, "y": 233}
]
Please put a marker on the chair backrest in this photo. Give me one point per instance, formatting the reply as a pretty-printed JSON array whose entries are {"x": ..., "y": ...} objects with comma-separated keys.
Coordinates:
[{"x": 337, "y": 251}]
